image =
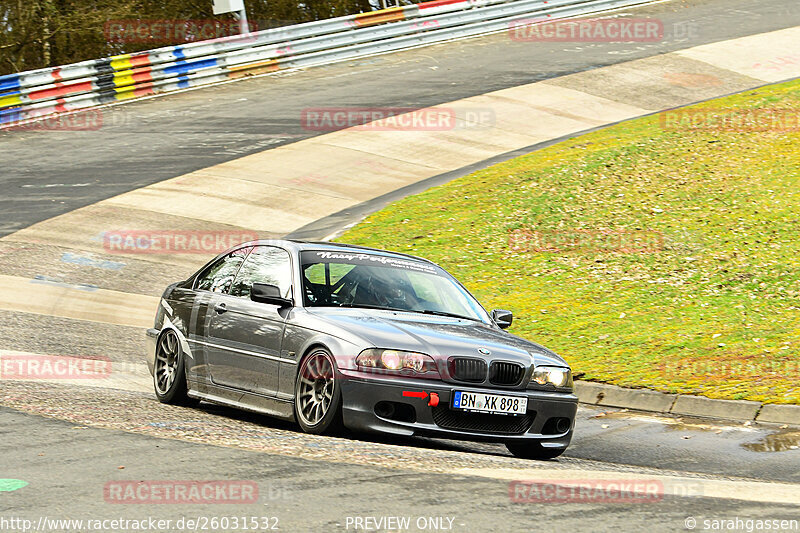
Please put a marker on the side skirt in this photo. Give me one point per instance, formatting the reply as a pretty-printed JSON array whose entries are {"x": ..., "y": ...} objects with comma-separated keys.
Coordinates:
[{"x": 247, "y": 401}]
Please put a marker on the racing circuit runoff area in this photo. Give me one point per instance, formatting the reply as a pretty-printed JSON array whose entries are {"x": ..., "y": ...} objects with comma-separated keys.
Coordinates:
[{"x": 103, "y": 454}]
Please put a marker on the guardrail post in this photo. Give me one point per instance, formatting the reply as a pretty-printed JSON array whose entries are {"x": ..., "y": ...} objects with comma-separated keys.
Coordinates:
[{"x": 244, "y": 27}]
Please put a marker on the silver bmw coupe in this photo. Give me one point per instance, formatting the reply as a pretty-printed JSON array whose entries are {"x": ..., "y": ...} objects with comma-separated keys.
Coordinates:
[{"x": 336, "y": 336}]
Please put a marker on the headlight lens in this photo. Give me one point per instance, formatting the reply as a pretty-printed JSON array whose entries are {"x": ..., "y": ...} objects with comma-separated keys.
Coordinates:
[
  {"x": 558, "y": 377},
  {"x": 396, "y": 360}
]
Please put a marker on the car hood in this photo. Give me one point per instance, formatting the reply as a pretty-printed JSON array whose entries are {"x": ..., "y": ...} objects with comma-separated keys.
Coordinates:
[{"x": 435, "y": 335}]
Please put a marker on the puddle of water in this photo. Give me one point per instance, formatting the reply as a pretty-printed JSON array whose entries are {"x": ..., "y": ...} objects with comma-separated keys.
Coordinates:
[
  {"x": 682, "y": 423},
  {"x": 775, "y": 442}
]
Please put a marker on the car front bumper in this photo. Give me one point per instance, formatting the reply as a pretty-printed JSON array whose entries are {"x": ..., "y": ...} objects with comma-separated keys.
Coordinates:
[{"x": 364, "y": 409}]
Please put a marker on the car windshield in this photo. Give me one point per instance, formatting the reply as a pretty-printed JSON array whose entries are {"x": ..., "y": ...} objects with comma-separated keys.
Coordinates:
[{"x": 336, "y": 279}]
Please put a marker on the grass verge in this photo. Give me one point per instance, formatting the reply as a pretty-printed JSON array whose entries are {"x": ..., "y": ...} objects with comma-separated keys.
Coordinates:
[{"x": 653, "y": 253}]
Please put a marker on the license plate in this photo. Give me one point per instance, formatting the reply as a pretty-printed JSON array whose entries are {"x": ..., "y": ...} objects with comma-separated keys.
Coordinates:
[{"x": 489, "y": 403}]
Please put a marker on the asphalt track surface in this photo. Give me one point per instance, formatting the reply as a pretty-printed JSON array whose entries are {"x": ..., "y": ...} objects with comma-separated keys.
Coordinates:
[
  {"x": 68, "y": 465},
  {"x": 306, "y": 495},
  {"x": 47, "y": 173},
  {"x": 317, "y": 486}
]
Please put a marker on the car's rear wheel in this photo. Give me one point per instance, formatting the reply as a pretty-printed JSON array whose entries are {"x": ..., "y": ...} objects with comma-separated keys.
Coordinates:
[
  {"x": 169, "y": 372},
  {"x": 533, "y": 450},
  {"x": 318, "y": 395}
]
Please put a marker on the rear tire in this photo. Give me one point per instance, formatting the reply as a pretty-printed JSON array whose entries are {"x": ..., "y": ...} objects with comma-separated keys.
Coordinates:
[
  {"x": 533, "y": 450},
  {"x": 169, "y": 371},
  {"x": 318, "y": 395}
]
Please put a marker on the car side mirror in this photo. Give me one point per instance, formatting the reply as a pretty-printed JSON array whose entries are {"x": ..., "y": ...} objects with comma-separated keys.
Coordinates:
[
  {"x": 502, "y": 318},
  {"x": 269, "y": 294}
]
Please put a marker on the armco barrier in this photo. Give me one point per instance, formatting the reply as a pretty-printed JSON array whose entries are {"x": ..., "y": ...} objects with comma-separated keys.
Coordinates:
[{"x": 29, "y": 95}]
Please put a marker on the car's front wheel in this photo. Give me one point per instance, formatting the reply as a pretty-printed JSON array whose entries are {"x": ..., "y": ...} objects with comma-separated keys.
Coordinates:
[
  {"x": 533, "y": 450},
  {"x": 318, "y": 394},
  {"x": 169, "y": 372}
]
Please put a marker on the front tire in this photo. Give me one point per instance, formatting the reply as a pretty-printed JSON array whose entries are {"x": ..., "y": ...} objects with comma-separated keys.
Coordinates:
[
  {"x": 169, "y": 372},
  {"x": 318, "y": 395},
  {"x": 533, "y": 450}
]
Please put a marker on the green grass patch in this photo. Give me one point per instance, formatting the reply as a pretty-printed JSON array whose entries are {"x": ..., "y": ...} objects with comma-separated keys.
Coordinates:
[{"x": 647, "y": 256}]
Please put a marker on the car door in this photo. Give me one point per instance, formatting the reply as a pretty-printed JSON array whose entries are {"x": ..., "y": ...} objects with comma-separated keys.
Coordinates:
[
  {"x": 244, "y": 337},
  {"x": 197, "y": 303}
]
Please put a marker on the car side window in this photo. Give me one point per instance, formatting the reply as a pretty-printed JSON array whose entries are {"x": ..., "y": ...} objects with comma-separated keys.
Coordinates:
[
  {"x": 266, "y": 264},
  {"x": 220, "y": 275}
]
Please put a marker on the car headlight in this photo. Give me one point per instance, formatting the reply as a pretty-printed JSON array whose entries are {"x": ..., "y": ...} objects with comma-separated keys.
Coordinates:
[
  {"x": 556, "y": 376},
  {"x": 397, "y": 361}
]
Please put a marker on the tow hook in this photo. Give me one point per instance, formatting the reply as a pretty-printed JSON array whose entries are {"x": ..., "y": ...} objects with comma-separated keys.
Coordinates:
[{"x": 434, "y": 401}]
